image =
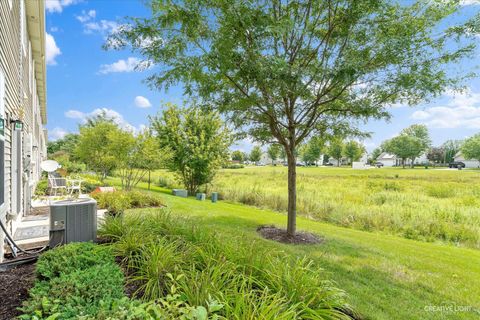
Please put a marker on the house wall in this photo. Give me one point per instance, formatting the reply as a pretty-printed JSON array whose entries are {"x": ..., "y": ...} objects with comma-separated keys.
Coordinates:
[
  {"x": 468, "y": 163},
  {"x": 387, "y": 162},
  {"x": 21, "y": 102}
]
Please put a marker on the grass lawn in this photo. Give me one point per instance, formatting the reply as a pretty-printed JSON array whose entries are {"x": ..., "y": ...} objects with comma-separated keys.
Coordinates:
[
  {"x": 386, "y": 277},
  {"x": 429, "y": 205}
]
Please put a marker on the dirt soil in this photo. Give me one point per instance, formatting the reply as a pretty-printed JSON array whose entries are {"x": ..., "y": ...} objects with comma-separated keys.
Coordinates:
[
  {"x": 14, "y": 287},
  {"x": 280, "y": 235},
  {"x": 39, "y": 211}
]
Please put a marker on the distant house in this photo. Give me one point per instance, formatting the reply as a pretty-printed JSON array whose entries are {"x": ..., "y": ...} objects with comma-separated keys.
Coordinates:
[
  {"x": 470, "y": 163},
  {"x": 391, "y": 160},
  {"x": 22, "y": 107}
]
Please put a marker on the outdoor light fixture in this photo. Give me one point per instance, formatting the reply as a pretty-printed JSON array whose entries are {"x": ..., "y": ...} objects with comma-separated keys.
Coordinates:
[{"x": 17, "y": 124}]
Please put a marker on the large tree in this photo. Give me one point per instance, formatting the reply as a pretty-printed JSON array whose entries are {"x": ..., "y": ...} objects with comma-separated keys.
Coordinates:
[
  {"x": 335, "y": 150},
  {"x": 255, "y": 154},
  {"x": 238, "y": 155},
  {"x": 374, "y": 155},
  {"x": 66, "y": 144},
  {"x": 94, "y": 146},
  {"x": 197, "y": 141},
  {"x": 353, "y": 151},
  {"x": 312, "y": 150},
  {"x": 436, "y": 155},
  {"x": 404, "y": 147},
  {"x": 273, "y": 152},
  {"x": 419, "y": 131},
  {"x": 451, "y": 147},
  {"x": 284, "y": 70},
  {"x": 471, "y": 147}
]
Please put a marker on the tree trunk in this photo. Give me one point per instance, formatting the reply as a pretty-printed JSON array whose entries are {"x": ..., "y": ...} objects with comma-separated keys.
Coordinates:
[
  {"x": 148, "y": 179},
  {"x": 292, "y": 194}
]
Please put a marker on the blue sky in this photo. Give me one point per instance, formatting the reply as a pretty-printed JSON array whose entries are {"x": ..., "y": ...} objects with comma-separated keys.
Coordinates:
[{"x": 83, "y": 79}]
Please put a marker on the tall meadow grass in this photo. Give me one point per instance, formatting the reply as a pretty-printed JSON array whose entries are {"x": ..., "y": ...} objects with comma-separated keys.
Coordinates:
[{"x": 427, "y": 205}]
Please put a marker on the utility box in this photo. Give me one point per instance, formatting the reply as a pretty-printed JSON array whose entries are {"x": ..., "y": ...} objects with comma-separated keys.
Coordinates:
[
  {"x": 180, "y": 193},
  {"x": 73, "y": 221}
]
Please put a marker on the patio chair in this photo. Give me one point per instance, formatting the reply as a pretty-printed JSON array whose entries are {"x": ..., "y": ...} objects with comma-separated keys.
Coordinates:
[
  {"x": 56, "y": 182},
  {"x": 74, "y": 185}
]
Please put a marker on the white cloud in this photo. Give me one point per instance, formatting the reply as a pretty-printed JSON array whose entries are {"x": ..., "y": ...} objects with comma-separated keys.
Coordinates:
[
  {"x": 86, "y": 16},
  {"x": 121, "y": 65},
  {"x": 58, "y": 5},
  {"x": 56, "y": 133},
  {"x": 109, "y": 113},
  {"x": 102, "y": 26},
  {"x": 420, "y": 115},
  {"x": 469, "y": 2},
  {"x": 75, "y": 114},
  {"x": 54, "y": 29},
  {"x": 142, "y": 102},
  {"x": 51, "y": 49},
  {"x": 461, "y": 111}
]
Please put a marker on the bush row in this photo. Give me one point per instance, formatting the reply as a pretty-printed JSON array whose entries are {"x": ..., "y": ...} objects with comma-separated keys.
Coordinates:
[
  {"x": 118, "y": 201},
  {"x": 82, "y": 281},
  {"x": 168, "y": 255}
]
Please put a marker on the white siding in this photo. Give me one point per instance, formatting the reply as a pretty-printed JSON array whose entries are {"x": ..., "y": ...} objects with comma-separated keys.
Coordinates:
[{"x": 21, "y": 103}]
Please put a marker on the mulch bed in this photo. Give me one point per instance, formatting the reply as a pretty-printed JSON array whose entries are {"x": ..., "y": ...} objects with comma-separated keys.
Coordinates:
[
  {"x": 39, "y": 211},
  {"x": 14, "y": 287},
  {"x": 280, "y": 235}
]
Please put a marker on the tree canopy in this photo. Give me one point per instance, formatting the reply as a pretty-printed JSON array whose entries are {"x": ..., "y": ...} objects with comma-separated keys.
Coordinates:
[
  {"x": 353, "y": 151},
  {"x": 404, "y": 147},
  {"x": 284, "y": 71},
  {"x": 471, "y": 147},
  {"x": 273, "y": 152},
  {"x": 451, "y": 147},
  {"x": 238, "y": 155},
  {"x": 255, "y": 154},
  {"x": 335, "y": 150},
  {"x": 197, "y": 140}
]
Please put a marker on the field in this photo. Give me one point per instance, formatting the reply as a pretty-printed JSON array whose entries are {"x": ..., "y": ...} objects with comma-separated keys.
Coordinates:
[
  {"x": 428, "y": 205},
  {"x": 385, "y": 276}
]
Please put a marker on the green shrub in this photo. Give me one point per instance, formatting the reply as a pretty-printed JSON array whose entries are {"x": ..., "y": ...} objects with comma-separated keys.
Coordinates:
[
  {"x": 170, "y": 307},
  {"x": 172, "y": 256},
  {"x": 42, "y": 188},
  {"x": 71, "y": 258},
  {"x": 91, "y": 182},
  {"x": 118, "y": 201},
  {"x": 76, "y": 293}
]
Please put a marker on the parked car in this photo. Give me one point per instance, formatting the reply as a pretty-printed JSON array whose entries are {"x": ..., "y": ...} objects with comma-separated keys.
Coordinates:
[
  {"x": 456, "y": 164},
  {"x": 300, "y": 164},
  {"x": 378, "y": 164}
]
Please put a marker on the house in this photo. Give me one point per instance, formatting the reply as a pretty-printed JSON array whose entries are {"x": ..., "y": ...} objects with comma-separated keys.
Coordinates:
[
  {"x": 391, "y": 160},
  {"x": 22, "y": 107},
  {"x": 470, "y": 163}
]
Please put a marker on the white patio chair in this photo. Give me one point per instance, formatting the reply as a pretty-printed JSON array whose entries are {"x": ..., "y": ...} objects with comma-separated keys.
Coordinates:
[
  {"x": 74, "y": 185},
  {"x": 56, "y": 182}
]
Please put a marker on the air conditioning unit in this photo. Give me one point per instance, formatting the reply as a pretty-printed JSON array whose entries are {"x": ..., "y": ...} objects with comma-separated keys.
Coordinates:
[{"x": 73, "y": 221}]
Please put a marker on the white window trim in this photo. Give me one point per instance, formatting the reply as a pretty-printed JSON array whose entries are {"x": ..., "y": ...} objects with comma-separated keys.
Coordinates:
[{"x": 10, "y": 3}]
